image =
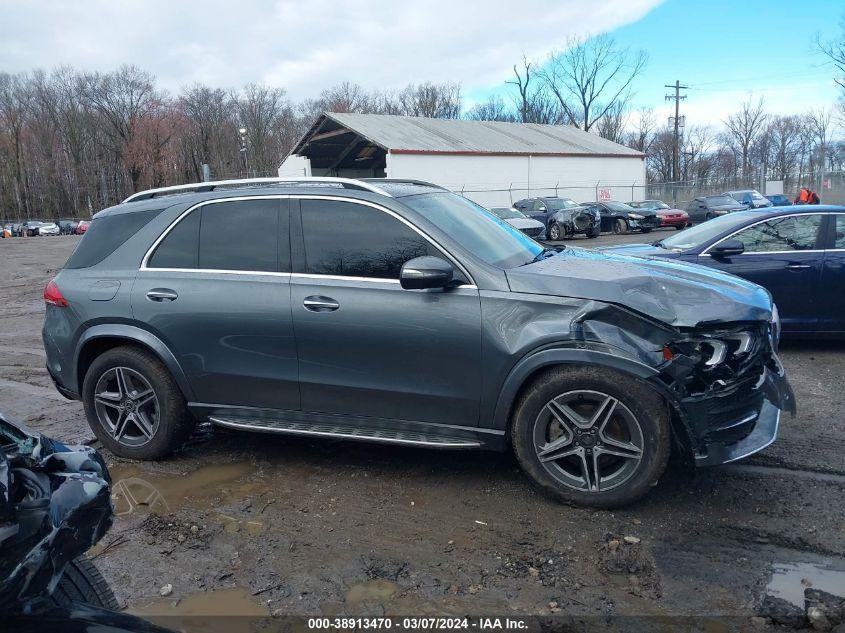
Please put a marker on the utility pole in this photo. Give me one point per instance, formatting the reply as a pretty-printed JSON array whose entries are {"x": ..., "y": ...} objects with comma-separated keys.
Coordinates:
[{"x": 676, "y": 146}]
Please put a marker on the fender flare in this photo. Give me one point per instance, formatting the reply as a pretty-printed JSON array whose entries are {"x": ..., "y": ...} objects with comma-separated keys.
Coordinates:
[
  {"x": 144, "y": 338},
  {"x": 560, "y": 356}
]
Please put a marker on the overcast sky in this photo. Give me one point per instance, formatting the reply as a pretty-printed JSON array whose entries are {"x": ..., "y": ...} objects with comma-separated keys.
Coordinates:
[
  {"x": 302, "y": 46},
  {"x": 726, "y": 50}
]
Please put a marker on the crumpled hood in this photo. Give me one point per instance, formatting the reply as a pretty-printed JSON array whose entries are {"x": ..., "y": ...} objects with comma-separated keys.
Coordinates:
[{"x": 678, "y": 294}]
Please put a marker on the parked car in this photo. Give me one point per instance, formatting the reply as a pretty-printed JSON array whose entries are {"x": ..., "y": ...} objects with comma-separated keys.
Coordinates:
[
  {"x": 779, "y": 200},
  {"x": 562, "y": 217},
  {"x": 82, "y": 227},
  {"x": 30, "y": 228},
  {"x": 518, "y": 220},
  {"x": 796, "y": 253},
  {"x": 48, "y": 228},
  {"x": 415, "y": 320},
  {"x": 619, "y": 217},
  {"x": 706, "y": 208},
  {"x": 55, "y": 506},
  {"x": 669, "y": 216},
  {"x": 751, "y": 198},
  {"x": 17, "y": 229},
  {"x": 67, "y": 226}
]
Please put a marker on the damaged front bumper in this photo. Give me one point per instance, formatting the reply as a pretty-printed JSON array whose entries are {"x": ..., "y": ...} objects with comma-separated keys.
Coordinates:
[{"x": 740, "y": 419}]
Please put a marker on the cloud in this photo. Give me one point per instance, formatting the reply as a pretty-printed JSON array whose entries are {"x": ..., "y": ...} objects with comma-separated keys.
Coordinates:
[{"x": 302, "y": 46}]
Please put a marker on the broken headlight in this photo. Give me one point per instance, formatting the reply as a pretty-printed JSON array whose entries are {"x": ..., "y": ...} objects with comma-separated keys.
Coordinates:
[{"x": 710, "y": 352}]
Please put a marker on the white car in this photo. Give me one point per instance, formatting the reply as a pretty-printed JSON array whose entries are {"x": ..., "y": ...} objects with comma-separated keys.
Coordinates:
[
  {"x": 48, "y": 228},
  {"x": 518, "y": 220}
]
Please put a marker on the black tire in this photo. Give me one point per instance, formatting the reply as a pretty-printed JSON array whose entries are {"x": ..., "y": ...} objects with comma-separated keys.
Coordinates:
[
  {"x": 83, "y": 582},
  {"x": 708, "y": 216},
  {"x": 593, "y": 233},
  {"x": 554, "y": 232},
  {"x": 645, "y": 229},
  {"x": 620, "y": 226},
  {"x": 640, "y": 401},
  {"x": 175, "y": 422}
]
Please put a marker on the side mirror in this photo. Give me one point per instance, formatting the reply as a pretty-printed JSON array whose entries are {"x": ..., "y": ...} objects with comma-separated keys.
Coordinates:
[
  {"x": 425, "y": 272},
  {"x": 728, "y": 248},
  {"x": 541, "y": 208}
]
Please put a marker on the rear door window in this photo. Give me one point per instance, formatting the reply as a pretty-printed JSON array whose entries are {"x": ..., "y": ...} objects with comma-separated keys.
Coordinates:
[
  {"x": 839, "y": 232},
  {"x": 241, "y": 235}
]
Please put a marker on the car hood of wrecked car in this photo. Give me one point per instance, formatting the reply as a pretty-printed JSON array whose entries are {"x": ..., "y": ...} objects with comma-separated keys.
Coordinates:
[{"x": 679, "y": 294}]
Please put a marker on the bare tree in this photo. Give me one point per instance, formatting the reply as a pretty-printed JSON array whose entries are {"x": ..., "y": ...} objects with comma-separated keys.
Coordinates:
[
  {"x": 834, "y": 50},
  {"x": 818, "y": 127},
  {"x": 436, "y": 101},
  {"x": 591, "y": 77},
  {"x": 641, "y": 135},
  {"x": 743, "y": 129},
  {"x": 494, "y": 109},
  {"x": 15, "y": 108},
  {"x": 612, "y": 125}
]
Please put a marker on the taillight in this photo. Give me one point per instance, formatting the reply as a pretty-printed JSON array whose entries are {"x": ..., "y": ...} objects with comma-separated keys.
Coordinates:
[{"x": 53, "y": 296}]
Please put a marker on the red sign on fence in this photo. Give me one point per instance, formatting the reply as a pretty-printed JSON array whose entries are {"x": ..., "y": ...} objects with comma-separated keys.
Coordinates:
[{"x": 604, "y": 195}]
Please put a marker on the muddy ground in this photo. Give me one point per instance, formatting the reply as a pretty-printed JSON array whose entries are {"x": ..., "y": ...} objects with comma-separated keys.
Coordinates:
[{"x": 256, "y": 524}]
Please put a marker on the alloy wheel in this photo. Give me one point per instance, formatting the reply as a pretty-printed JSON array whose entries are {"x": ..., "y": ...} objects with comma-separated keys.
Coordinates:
[
  {"x": 588, "y": 440},
  {"x": 127, "y": 406},
  {"x": 554, "y": 232}
]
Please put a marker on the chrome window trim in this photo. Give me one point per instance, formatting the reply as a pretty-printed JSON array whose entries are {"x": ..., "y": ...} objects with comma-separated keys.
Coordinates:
[
  {"x": 706, "y": 252},
  {"x": 145, "y": 260}
]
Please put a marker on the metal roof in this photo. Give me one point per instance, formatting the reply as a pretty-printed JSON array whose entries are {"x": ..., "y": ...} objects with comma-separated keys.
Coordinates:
[{"x": 407, "y": 134}]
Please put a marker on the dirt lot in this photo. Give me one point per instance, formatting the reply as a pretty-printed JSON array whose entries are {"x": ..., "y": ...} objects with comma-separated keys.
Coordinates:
[{"x": 256, "y": 524}]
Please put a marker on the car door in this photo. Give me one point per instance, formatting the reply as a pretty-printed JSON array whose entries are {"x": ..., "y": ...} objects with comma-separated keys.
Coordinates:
[
  {"x": 538, "y": 211},
  {"x": 784, "y": 255},
  {"x": 832, "y": 311},
  {"x": 697, "y": 209},
  {"x": 366, "y": 346},
  {"x": 216, "y": 289}
]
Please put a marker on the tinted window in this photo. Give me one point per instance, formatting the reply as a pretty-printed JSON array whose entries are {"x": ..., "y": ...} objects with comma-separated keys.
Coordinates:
[
  {"x": 794, "y": 233},
  {"x": 240, "y": 235},
  {"x": 839, "y": 237},
  {"x": 105, "y": 234},
  {"x": 715, "y": 201},
  {"x": 180, "y": 248},
  {"x": 353, "y": 240}
]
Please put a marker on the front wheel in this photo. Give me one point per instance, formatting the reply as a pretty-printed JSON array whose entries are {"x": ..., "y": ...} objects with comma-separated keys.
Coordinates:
[
  {"x": 591, "y": 436},
  {"x": 593, "y": 233},
  {"x": 620, "y": 226},
  {"x": 134, "y": 406},
  {"x": 646, "y": 229},
  {"x": 554, "y": 232},
  {"x": 81, "y": 581}
]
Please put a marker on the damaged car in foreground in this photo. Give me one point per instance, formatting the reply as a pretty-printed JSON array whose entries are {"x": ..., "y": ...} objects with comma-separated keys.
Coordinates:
[
  {"x": 419, "y": 319},
  {"x": 54, "y": 505}
]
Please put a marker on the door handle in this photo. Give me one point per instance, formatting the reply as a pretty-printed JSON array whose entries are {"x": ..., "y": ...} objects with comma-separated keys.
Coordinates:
[
  {"x": 798, "y": 266},
  {"x": 317, "y": 303},
  {"x": 162, "y": 294}
]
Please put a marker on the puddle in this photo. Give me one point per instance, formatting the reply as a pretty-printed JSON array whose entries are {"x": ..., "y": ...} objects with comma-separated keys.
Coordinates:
[
  {"x": 790, "y": 579},
  {"x": 134, "y": 489},
  {"x": 201, "y": 612},
  {"x": 371, "y": 591}
]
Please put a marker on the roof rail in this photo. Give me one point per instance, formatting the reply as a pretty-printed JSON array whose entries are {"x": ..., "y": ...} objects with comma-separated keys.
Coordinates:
[{"x": 201, "y": 187}]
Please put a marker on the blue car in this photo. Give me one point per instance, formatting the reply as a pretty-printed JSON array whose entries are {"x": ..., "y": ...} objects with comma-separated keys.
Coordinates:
[{"x": 796, "y": 253}]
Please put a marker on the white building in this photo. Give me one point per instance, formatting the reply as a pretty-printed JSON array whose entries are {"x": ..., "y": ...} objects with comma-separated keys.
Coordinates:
[{"x": 490, "y": 162}]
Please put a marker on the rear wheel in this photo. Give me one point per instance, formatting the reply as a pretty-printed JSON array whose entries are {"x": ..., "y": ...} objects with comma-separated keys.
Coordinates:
[
  {"x": 593, "y": 233},
  {"x": 134, "y": 406},
  {"x": 591, "y": 436},
  {"x": 620, "y": 226},
  {"x": 646, "y": 229},
  {"x": 83, "y": 582},
  {"x": 708, "y": 216},
  {"x": 554, "y": 232}
]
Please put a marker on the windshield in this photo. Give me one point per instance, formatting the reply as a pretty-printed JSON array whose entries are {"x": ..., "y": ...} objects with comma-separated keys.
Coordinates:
[
  {"x": 706, "y": 231},
  {"x": 476, "y": 229},
  {"x": 506, "y": 214},
  {"x": 715, "y": 201},
  {"x": 618, "y": 206},
  {"x": 556, "y": 204}
]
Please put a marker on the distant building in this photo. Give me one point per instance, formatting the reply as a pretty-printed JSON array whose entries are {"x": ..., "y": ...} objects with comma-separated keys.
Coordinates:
[{"x": 493, "y": 163}]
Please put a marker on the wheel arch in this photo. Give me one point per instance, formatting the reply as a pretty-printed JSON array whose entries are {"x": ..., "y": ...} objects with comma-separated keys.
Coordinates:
[
  {"x": 527, "y": 369},
  {"x": 101, "y": 338}
]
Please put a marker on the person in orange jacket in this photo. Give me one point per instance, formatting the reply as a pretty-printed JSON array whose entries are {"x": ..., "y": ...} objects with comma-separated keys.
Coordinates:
[{"x": 803, "y": 196}]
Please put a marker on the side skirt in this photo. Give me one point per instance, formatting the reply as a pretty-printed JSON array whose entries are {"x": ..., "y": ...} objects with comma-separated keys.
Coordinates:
[{"x": 365, "y": 429}]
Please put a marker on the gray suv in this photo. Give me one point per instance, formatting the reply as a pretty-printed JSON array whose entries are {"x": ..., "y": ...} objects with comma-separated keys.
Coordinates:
[{"x": 399, "y": 312}]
